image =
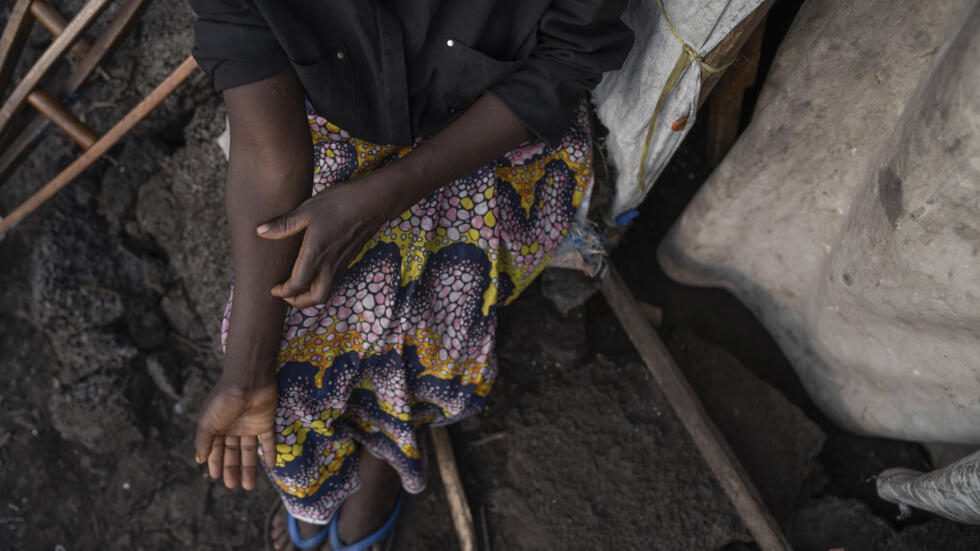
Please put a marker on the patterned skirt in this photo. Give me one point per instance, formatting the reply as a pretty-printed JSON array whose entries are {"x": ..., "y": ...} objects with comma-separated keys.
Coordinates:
[{"x": 407, "y": 337}]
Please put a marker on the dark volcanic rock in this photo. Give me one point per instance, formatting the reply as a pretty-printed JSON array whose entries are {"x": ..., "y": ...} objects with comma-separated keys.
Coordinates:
[
  {"x": 96, "y": 414},
  {"x": 834, "y": 523},
  {"x": 595, "y": 460},
  {"x": 87, "y": 352},
  {"x": 182, "y": 207},
  {"x": 775, "y": 441}
]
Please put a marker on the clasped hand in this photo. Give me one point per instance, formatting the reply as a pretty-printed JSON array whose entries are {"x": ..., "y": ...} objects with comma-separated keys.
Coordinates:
[{"x": 336, "y": 222}]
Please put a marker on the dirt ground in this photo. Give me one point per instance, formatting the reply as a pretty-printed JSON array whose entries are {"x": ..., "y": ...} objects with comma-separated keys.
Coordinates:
[{"x": 109, "y": 303}]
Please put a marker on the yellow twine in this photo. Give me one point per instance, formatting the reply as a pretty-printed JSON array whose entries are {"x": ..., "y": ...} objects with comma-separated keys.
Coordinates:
[{"x": 688, "y": 54}]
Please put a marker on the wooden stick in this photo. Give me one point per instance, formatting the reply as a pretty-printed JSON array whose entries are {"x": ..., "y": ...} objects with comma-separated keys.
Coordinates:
[
  {"x": 685, "y": 403},
  {"x": 55, "y": 23},
  {"x": 77, "y": 130},
  {"x": 58, "y": 48},
  {"x": 114, "y": 31},
  {"x": 13, "y": 38},
  {"x": 100, "y": 147},
  {"x": 459, "y": 508}
]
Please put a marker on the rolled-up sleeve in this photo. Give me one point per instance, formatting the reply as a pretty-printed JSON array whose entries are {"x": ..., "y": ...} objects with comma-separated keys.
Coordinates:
[
  {"x": 577, "y": 41},
  {"x": 233, "y": 43}
]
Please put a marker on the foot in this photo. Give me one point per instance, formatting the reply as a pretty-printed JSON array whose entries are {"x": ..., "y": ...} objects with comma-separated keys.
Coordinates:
[
  {"x": 367, "y": 509},
  {"x": 279, "y": 532},
  {"x": 361, "y": 514}
]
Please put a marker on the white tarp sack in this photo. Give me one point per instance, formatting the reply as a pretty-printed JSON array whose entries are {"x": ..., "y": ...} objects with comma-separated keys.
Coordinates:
[
  {"x": 626, "y": 99},
  {"x": 847, "y": 216},
  {"x": 952, "y": 492}
]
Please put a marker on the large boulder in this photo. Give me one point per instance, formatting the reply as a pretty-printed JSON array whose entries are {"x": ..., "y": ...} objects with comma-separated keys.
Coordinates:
[{"x": 847, "y": 217}]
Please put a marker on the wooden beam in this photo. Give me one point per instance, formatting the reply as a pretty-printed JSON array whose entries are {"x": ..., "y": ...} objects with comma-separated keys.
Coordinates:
[
  {"x": 100, "y": 147},
  {"x": 719, "y": 457},
  {"x": 58, "y": 48},
  {"x": 459, "y": 508}
]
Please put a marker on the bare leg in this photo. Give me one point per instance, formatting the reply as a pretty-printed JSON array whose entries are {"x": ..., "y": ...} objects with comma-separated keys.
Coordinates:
[{"x": 361, "y": 514}]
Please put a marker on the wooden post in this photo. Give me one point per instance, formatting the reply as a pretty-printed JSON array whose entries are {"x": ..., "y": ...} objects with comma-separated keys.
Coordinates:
[
  {"x": 449, "y": 473},
  {"x": 723, "y": 464}
]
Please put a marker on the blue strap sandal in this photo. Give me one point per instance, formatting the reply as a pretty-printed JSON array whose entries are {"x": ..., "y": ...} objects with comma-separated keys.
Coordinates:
[
  {"x": 366, "y": 543},
  {"x": 312, "y": 542}
]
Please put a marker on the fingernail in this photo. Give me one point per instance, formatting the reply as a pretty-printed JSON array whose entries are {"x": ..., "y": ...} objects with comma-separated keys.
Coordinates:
[{"x": 264, "y": 228}]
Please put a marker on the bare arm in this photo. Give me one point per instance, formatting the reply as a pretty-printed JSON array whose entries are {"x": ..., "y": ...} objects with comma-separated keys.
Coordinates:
[{"x": 269, "y": 172}]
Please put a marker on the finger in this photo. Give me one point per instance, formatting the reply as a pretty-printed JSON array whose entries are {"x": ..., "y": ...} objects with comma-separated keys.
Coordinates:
[
  {"x": 268, "y": 442},
  {"x": 216, "y": 458},
  {"x": 318, "y": 292},
  {"x": 233, "y": 462},
  {"x": 284, "y": 226},
  {"x": 202, "y": 443},
  {"x": 304, "y": 269},
  {"x": 250, "y": 461}
]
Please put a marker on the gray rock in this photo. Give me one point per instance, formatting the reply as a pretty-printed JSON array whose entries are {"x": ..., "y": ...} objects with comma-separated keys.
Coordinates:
[
  {"x": 847, "y": 216},
  {"x": 95, "y": 413}
]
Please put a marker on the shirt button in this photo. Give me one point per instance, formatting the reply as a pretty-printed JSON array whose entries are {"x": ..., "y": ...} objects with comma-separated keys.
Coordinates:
[
  {"x": 450, "y": 43},
  {"x": 340, "y": 55}
]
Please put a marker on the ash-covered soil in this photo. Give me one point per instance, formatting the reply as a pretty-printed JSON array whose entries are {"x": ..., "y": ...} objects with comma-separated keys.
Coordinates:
[{"x": 110, "y": 298}]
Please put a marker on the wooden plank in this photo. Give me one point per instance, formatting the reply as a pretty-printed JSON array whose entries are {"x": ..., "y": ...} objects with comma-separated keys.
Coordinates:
[
  {"x": 100, "y": 147},
  {"x": 58, "y": 48},
  {"x": 719, "y": 457},
  {"x": 12, "y": 40},
  {"x": 459, "y": 508}
]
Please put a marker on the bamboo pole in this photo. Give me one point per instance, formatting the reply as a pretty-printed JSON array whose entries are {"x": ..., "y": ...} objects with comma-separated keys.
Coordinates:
[
  {"x": 100, "y": 147},
  {"x": 723, "y": 464},
  {"x": 449, "y": 473}
]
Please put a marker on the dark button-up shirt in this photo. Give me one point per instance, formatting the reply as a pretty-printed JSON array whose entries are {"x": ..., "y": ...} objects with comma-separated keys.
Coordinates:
[{"x": 390, "y": 71}]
